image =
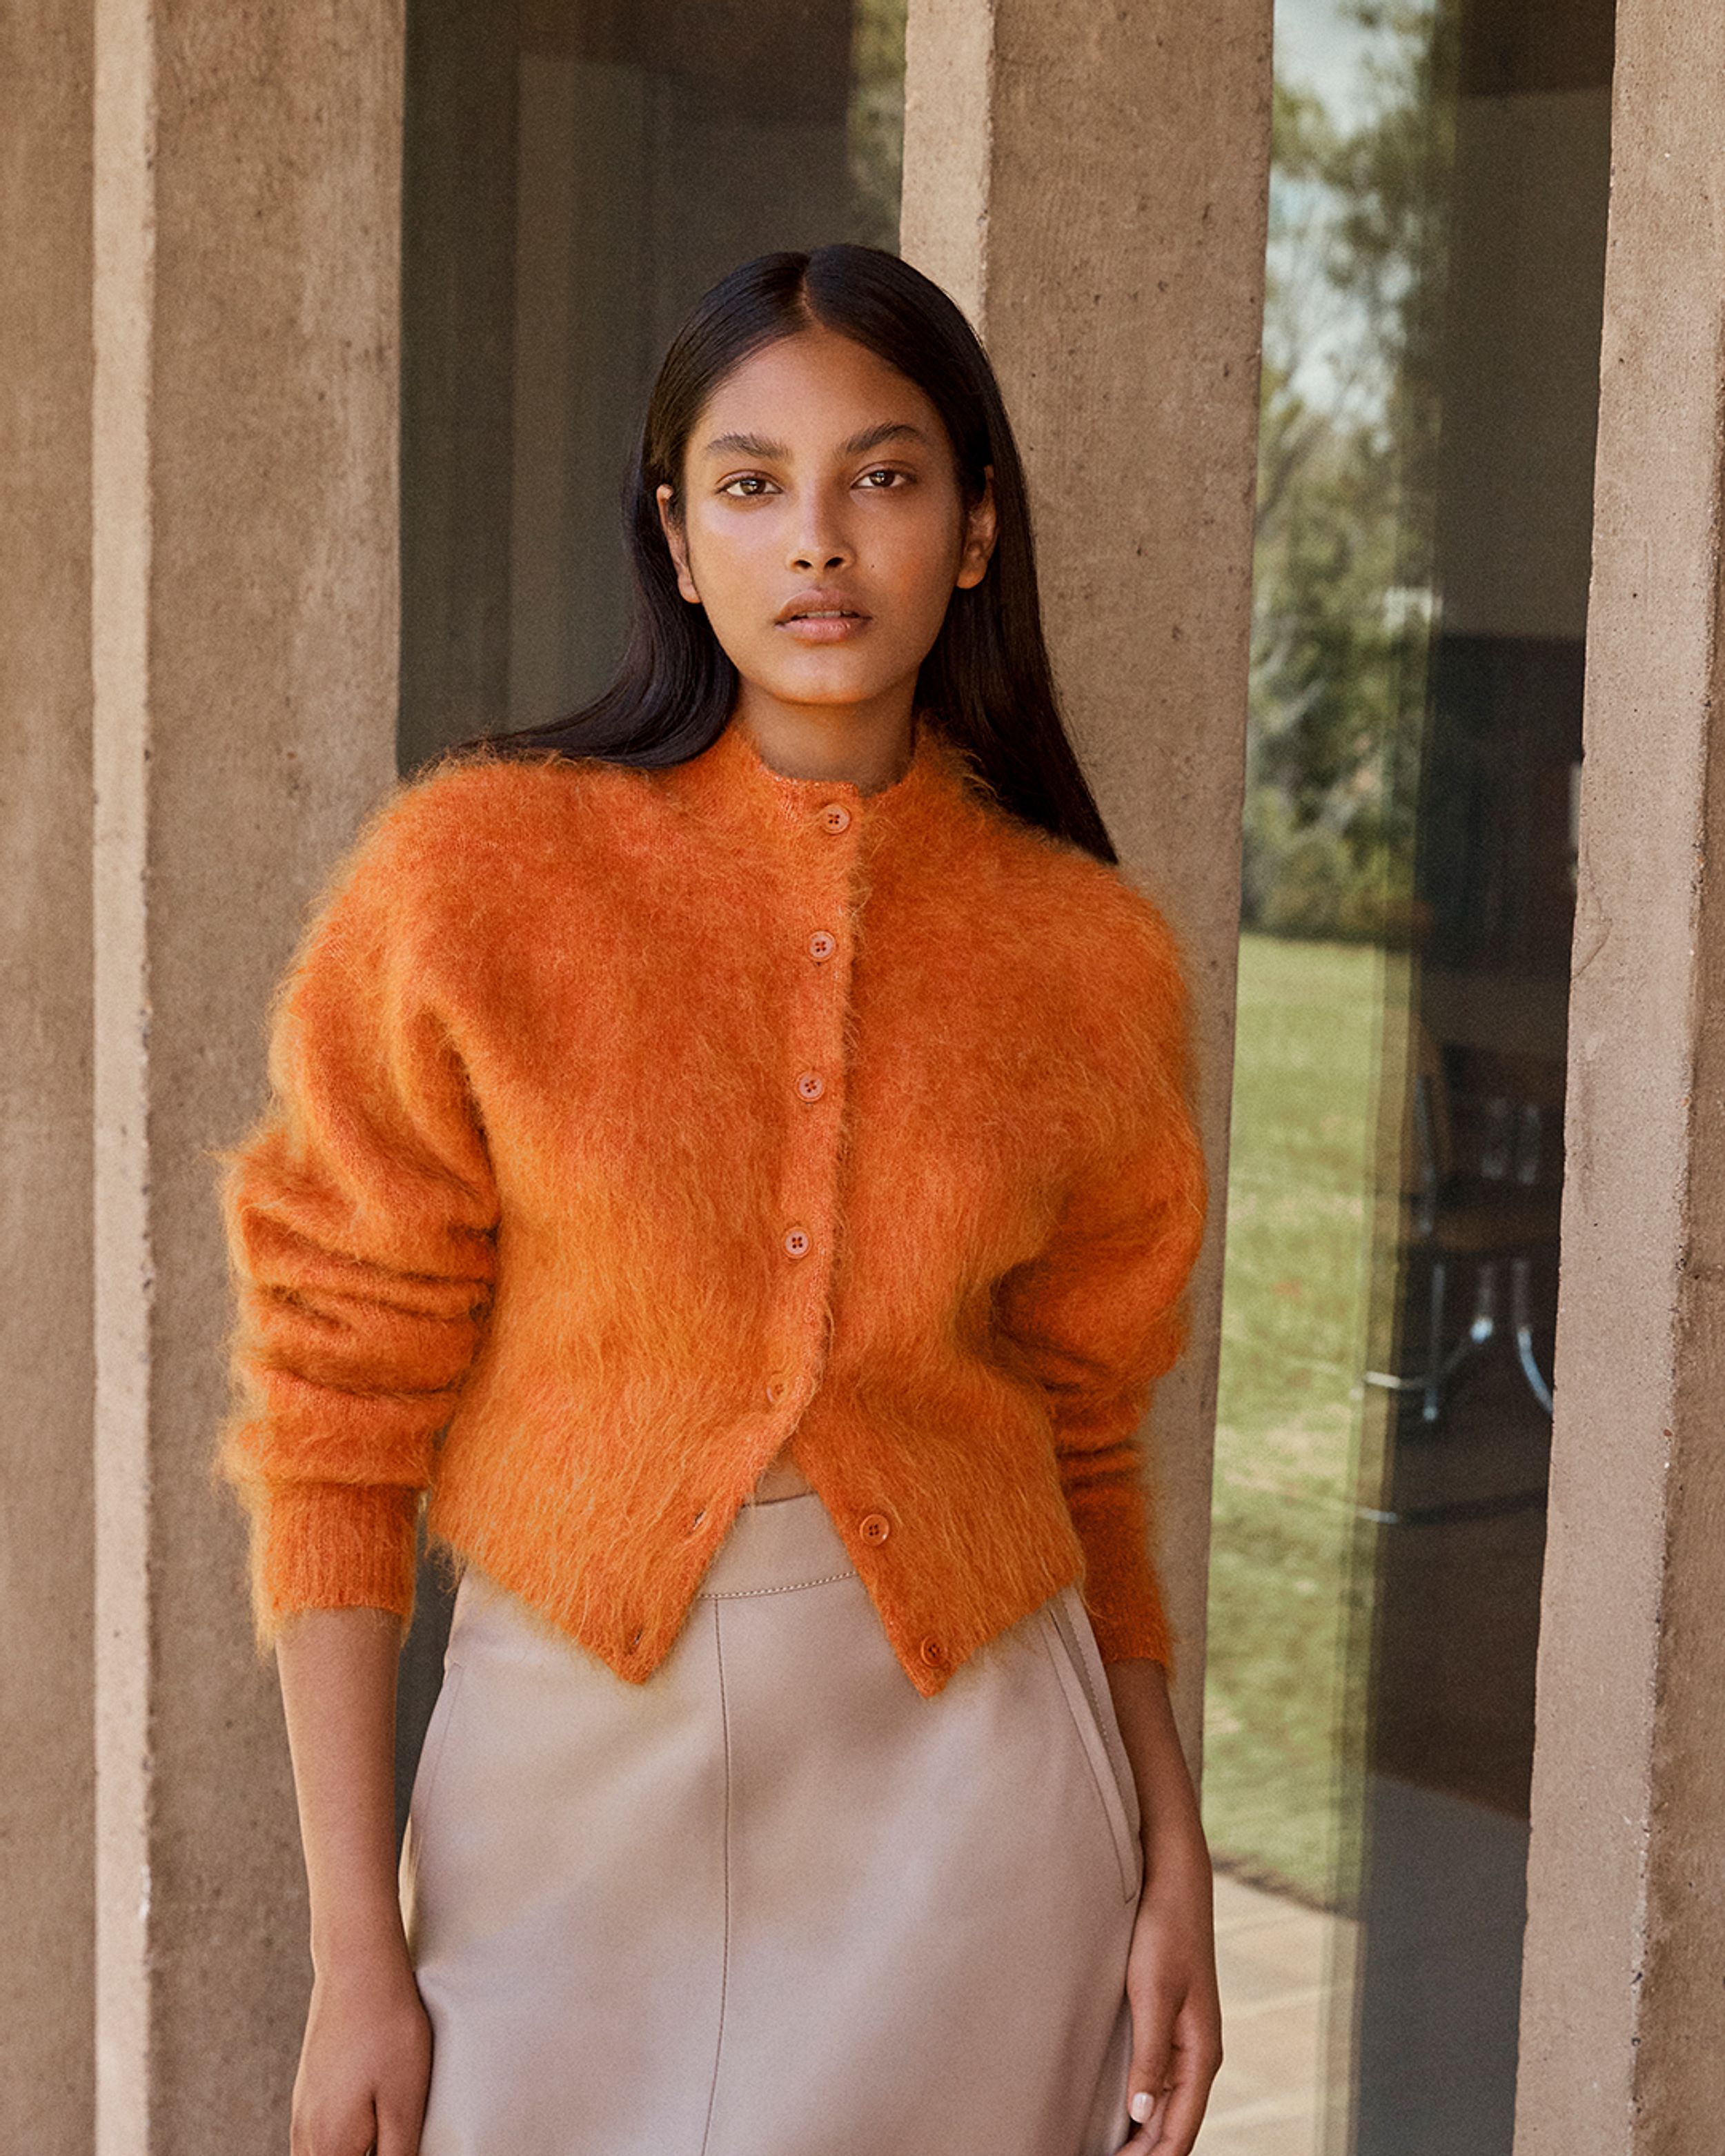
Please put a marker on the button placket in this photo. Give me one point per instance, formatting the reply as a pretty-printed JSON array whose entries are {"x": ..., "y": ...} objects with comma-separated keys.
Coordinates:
[{"x": 814, "y": 1034}]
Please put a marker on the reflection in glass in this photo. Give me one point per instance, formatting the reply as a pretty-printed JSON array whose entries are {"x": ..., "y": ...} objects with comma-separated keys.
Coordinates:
[{"x": 1424, "y": 510}]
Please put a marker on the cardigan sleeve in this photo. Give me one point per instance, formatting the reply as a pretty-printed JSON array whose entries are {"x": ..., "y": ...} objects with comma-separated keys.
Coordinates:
[
  {"x": 1099, "y": 1315},
  {"x": 361, "y": 1216}
]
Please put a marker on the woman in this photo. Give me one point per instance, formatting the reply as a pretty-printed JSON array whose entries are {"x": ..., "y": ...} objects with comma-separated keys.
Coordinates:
[{"x": 731, "y": 1150}]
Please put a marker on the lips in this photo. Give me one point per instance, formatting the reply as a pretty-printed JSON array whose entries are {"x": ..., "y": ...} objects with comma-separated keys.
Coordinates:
[{"x": 820, "y": 604}]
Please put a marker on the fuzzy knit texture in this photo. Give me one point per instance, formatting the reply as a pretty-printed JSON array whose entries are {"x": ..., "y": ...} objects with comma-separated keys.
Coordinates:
[{"x": 625, "y": 1125}]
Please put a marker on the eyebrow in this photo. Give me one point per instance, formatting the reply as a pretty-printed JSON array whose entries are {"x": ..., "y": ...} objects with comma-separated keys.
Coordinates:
[{"x": 859, "y": 445}]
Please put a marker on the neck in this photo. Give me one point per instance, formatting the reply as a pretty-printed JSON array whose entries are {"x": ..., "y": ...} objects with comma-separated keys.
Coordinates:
[{"x": 868, "y": 746}]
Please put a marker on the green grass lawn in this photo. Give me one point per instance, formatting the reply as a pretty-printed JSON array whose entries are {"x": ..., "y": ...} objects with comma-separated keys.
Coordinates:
[{"x": 1310, "y": 1023}]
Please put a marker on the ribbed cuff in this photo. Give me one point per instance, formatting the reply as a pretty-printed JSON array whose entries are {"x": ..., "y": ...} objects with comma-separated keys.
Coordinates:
[
  {"x": 1121, "y": 1588},
  {"x": 1136, "y": 1632},
  {"x": 331, "y": 1546}
]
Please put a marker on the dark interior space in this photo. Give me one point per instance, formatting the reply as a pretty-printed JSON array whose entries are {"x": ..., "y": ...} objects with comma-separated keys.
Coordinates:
[
  {"x": 576, "y": 172},
  {"x": 1468, "y": 1310}
]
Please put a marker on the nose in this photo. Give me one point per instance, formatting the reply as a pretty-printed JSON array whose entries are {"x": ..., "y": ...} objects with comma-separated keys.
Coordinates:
[{"x": 817, "y": 543}]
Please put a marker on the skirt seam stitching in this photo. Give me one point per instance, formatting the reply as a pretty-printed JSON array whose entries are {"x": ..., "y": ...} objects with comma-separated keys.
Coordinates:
[
  {"x": 1056, "y": 1647},
  {"x": 712, "y": 2094}
]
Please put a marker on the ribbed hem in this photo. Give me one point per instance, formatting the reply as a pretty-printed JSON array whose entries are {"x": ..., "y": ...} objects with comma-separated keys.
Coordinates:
[{"x": 331, "y": 1546}]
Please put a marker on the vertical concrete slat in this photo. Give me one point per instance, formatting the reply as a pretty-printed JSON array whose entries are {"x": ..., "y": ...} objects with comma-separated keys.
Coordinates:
[
  {"x": 244, "y": 588},
  {"x": 1091, "y": 184},
  {"x": 123, "y": 222},
  {"x": 1624, "y": 1983},
  {"x": 46, "y": 1974}
]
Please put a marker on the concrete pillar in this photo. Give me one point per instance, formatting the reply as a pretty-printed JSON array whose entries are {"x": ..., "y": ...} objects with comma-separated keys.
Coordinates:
[
  {"x": 244, "y": 604},
  {"x": 1091, "y": 184},
  {"x": 45, "y": 1523},
  {"x": 1623, "y": 1988}
]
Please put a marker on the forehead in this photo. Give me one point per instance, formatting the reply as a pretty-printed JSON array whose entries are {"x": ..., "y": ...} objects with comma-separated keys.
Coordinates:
[{"x": 813, "y": 390}]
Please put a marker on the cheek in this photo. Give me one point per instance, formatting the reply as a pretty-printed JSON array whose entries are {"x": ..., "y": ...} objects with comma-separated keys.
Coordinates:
[
  {"x": 731, "y": 564},
  {"x": 917, "y": 561}
]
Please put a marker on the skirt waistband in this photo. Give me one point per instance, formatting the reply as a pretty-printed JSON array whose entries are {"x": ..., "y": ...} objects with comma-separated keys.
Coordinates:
[{"x": 773, "y": 1547}]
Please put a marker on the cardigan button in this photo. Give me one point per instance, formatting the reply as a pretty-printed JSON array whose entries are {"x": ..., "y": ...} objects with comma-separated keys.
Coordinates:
[
  {"x": 776, "y": 1390},
  {"x": 798, "y": 1242},
  {"x": 811, "y": 1085},
  {"x": 874, "y": 1527},
  {"x": 934, "y": 1653},
  {"x": 835, "y": 817},
  {"x": 822, "y": 945}
]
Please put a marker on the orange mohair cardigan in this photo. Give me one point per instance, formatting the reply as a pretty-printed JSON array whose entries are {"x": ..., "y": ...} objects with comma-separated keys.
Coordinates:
[{"x": 626, "y": 1125}]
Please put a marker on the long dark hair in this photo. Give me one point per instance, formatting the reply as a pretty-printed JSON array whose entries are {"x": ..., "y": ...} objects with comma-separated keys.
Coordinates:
[{"x": 987, "y": 679}]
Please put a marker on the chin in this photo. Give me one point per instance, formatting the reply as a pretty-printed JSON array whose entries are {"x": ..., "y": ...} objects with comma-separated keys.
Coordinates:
[{"x": 823, "y": 685}]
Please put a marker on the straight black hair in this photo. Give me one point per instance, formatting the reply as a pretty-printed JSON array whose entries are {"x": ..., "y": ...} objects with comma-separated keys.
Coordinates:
[{"x": 987, "y": 679}]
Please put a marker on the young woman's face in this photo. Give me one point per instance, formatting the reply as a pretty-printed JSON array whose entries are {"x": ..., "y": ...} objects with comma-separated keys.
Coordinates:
[{"x": 823, "y": 528}]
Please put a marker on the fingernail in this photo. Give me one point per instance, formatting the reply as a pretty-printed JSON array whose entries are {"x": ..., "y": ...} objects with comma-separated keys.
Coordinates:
[{"x": 1141, "y": 2107}]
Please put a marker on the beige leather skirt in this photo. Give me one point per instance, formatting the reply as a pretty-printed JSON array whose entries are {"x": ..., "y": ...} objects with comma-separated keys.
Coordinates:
[{"x": 772, "y": 1902}]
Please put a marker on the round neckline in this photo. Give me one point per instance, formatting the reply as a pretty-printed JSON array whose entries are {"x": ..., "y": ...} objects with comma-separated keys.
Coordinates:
[{"x": 922, "y": 727}]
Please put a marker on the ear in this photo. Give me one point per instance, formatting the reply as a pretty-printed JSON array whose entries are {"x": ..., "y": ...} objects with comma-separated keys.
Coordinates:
[
  {"x": 678, "y": 541},
  {"x": 981, "y": 528}
]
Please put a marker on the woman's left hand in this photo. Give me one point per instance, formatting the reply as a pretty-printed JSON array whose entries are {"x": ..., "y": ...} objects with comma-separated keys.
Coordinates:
[
  {"x": 1170, "y": 1971},
  {"x": 1177, "y": 2016}
]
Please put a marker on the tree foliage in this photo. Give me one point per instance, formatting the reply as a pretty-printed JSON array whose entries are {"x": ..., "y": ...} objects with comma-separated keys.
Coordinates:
[{"x": 1347, "y": 447}]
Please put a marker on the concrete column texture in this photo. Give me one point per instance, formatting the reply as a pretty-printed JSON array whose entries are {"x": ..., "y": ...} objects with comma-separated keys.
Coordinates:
[
  {"x": 1091, "y": 183},
  {"x": 244, "y": 667},
  {"x": 1624, "y": 1985},
  {"x": 45, "y": 1460}
]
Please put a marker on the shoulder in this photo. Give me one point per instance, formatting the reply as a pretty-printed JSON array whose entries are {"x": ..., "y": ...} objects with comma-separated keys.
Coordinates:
[
  {"x": 459, "y": 859},
  {"x": 1092, "y": 921},
  {"x": 1085, "y": 959},
  {"x": 483, "y": 802},
  {"x": 481, "y": 823}
]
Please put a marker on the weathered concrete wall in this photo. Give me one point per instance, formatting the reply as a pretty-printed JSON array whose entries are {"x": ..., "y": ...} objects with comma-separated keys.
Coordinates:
[
  {"x": 245, "y": 403},
  {"x": 1626, "y": 1949},
  {"x": 45, "y": 1527},
  {"x": 1091, "y": 184},
  {"x": 200, "y": 577}
]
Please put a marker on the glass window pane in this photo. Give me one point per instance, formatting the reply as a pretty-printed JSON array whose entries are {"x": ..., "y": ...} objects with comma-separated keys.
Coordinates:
[{"x": 1424, "y": 510}]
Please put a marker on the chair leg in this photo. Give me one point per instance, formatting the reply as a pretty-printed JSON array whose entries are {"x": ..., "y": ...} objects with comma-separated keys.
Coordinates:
[
  {"x": 1435, "y": 1349},
  {"x": 1521, "y": 1274},
  {"x": 1483, "y": 1327},
  {"x": 1482, "y": 1330}
]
